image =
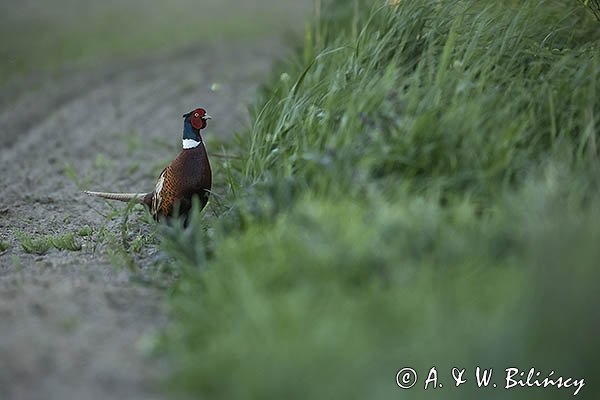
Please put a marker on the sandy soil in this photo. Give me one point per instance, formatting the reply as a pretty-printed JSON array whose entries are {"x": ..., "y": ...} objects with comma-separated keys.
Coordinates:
[{"x": 72, "y": 325}]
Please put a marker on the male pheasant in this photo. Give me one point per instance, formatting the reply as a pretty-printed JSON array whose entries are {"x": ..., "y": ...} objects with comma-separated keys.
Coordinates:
[{"x": 187, "y": 176}]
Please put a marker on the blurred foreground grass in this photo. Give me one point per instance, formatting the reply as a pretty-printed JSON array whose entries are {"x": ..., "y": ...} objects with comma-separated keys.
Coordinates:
[
  {"x": 42, "y": 36},
  {"x": 419, "y": 188}
]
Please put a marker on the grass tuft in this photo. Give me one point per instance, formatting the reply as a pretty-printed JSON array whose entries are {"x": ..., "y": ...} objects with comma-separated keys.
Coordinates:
[
  {"x": 4, "y": 246},
  {"x": 85, "y": 231}
]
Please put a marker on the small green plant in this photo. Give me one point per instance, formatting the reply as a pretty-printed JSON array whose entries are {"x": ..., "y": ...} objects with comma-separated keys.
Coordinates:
[
  {"x": 65, "y": 241},
  {"x": 134, "y": 168},
  {"x": 41, "y": 244},
  {"x": 102, "y": 162},
  {"x": 71, "y": 174},
  {"x": 4, "y": 245},
  {"x": 85, "y": 231},
  {"x": 36, "y": 245}
]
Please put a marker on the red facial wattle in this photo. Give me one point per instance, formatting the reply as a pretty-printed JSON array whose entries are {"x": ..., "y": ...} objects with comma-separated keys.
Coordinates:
[{"x": 197, "y": 118}]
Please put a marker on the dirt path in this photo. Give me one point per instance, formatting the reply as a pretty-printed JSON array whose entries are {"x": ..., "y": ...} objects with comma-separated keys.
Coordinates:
[{"x": 72, "y": 325}]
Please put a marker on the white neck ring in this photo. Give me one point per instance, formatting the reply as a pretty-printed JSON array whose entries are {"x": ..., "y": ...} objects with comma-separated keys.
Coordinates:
[{"x": 190, "y": 143}]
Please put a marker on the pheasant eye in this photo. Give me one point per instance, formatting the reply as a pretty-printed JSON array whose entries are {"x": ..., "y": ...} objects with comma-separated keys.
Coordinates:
[{"x": 196, "y": 115}]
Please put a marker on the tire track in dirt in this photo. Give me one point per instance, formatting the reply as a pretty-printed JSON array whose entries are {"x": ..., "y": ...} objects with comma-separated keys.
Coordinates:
[{"x": 71, "y": 324}]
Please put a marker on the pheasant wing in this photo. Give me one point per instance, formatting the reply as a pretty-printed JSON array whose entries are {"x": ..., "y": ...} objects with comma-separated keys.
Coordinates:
[{"x": 157, "y": 199}]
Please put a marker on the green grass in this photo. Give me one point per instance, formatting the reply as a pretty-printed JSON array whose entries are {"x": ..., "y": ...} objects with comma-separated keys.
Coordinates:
[
  {"x": 42, "y": 243},
  {"x": 593, "y": 6},
  {"x": 419, "y": 188}
]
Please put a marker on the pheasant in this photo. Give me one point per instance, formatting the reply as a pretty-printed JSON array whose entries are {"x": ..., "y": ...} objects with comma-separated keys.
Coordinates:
[{"x": 187, "y": 176}]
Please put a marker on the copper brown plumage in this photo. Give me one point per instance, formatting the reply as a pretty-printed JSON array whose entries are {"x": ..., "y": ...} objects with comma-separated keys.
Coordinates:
[
  {"x": 176, "y": 185},
  {"x": 187, "y": 176}
]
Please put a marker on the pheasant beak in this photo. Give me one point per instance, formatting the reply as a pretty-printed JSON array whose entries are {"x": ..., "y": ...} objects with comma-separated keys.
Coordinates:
[{"x": 207, "y": 117}]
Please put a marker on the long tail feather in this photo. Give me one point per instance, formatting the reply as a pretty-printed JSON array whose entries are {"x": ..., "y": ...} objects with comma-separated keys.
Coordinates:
[{"x": 126, "y": 197}]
